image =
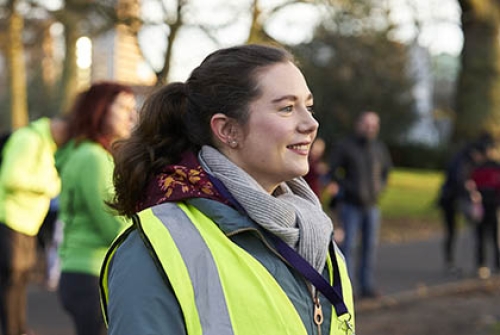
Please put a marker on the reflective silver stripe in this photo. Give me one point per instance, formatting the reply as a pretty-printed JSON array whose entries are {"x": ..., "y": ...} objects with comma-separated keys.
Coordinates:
[{"x": 209, "y": 296}]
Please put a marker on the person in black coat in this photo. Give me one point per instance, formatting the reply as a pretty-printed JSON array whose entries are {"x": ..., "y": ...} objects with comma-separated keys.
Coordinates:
[{"x": 360, "y": 167}]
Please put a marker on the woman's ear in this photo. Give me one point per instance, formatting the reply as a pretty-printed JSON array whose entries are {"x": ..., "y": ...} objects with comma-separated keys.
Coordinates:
[{"x": 225, "y": 130}]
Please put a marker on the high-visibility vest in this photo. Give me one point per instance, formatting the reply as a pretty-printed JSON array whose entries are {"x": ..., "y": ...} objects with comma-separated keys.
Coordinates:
[{"x": 221, "y": 288}]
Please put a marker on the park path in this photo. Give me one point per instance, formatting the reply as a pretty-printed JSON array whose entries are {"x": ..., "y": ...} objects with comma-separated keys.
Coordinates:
[{"x": 403, "y": 268}]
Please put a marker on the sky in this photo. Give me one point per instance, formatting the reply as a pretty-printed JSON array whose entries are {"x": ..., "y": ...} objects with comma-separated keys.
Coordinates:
[
  {"x": 292, "y": 26},
  {"x": 440, "y": 32},
  {"x": 440, "y": 28}
]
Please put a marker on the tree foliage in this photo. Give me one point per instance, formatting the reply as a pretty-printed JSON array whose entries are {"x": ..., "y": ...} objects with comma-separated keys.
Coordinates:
[
  {"x": 349, "y": 74},
  {"x": 82, "y": 18},
  {"x": 351, "y": 64},
  {"x": 177, "y": 15},
  {"x": 24, "y": 48}
]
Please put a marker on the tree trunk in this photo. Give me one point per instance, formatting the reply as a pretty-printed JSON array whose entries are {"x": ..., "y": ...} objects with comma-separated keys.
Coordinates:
[
  {"x": 49, "y": 71},
  {"x": 478, "y": 98},
  {"x": 17, "y": 71},
  {"x": 69, "y": 80}
]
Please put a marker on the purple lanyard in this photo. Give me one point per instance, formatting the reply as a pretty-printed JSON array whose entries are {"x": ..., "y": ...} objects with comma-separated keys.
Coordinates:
[{"x": 332, "y": 293}]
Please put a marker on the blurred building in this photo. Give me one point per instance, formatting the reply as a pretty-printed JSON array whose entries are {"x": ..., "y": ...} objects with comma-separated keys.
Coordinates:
[{"x": 116, "y": 55}]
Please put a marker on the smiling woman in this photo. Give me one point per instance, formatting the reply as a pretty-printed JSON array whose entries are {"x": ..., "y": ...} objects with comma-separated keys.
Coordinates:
[
  {"x": 212, "y": 176},
  {"x": 274, "y": 145}
]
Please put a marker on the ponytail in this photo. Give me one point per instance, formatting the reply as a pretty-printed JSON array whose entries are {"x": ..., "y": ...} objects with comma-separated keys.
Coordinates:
[{"x": 159, "y": 140}]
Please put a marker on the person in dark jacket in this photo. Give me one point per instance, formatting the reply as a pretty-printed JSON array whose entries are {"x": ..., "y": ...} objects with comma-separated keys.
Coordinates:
[
  {"x": 486, "y": 177},
  {"x": 360, "y": 166},
  {"x": 457, "y": 189}
]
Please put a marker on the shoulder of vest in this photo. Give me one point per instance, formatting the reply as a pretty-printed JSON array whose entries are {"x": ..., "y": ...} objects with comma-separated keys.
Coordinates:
[
  {"x": 138, "y": 225},
  {"x": 105, "y": 267}
]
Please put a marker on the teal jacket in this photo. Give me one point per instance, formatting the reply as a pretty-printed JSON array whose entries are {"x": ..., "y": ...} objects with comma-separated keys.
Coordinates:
[
  {"x": 143, "y": 301},
  {"x": 89, "y": 224},
  {"x": 28, "y": 177}
]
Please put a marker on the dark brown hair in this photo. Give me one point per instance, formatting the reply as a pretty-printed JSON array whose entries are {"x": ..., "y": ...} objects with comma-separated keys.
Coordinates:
[
  {"x": 176, "y": 118},
  {"x": 88, "y": 116}
]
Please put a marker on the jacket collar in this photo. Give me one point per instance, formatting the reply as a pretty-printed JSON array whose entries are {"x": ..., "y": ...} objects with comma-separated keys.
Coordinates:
[{"x": 226, "y": 217}]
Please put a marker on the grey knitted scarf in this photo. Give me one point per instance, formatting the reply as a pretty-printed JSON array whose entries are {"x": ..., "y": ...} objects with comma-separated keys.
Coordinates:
[{"x": 292, "y": 213}]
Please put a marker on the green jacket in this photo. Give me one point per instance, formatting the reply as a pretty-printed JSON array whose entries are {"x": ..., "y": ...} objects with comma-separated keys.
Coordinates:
[
  {"x": 89, "y": 224},
  {"x": 203, "y": 268},
  {"x": 28, "y": 177}
]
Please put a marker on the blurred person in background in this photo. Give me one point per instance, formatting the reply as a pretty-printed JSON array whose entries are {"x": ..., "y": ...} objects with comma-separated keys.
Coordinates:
[
  {"x": 360, "y": 167},
  {"x": 101, "y": 115},
  {"x": 317, "y": 167},
  {"x": 28, "y": 182},
  {"x": 46, "y": 245},
  {"x": 486, "y": 177},
  {"x": 457, "y": 192}
]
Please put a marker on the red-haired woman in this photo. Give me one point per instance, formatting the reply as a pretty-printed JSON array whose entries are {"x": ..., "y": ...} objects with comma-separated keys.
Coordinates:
[{"x": 106, "y": 112}]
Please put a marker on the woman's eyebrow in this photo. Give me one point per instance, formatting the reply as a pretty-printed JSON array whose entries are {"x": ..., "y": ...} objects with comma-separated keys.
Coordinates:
[{"x": 290, "y": 97}]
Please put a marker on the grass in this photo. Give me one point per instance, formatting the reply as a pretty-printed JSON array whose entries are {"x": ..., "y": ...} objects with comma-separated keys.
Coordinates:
[
  {"x": 495, "y": 329},
  {"x": 408, "y": 205},
  {"x": 411, "y": 194}
]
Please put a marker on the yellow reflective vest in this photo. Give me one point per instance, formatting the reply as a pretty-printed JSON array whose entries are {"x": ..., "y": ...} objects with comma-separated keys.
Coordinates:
[{"x": 221, "y": 288}]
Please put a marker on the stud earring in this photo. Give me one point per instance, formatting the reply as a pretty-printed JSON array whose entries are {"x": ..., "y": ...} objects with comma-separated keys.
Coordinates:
[{"x": 232, "y": 143}]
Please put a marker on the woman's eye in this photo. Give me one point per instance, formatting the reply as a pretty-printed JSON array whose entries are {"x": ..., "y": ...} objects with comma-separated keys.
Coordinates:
[
  {"x": 287, "y": 109},
  {"x": 310, "y": 109}
]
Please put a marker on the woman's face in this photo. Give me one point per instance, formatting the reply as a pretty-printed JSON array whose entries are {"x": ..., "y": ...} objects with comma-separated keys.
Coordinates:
[
  {"x": 280, "y": 130},
  {"x": 122, "y": 116}
]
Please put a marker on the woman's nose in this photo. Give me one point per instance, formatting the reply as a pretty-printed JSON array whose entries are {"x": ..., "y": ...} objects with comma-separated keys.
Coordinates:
[{"x": 308, "y": 123}]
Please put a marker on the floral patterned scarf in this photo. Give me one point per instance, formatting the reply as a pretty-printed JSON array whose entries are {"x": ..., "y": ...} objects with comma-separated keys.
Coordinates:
[{"x": 181, "y": 181}]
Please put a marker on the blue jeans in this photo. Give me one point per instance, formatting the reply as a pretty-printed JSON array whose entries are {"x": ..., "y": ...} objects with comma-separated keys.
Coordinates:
[{"x": 367, "y": 221}]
